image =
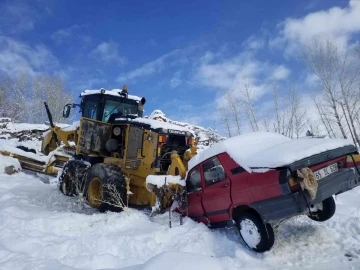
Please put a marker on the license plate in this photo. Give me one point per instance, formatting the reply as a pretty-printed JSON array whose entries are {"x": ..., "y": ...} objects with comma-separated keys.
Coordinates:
[{"x": 326, "y": 171}]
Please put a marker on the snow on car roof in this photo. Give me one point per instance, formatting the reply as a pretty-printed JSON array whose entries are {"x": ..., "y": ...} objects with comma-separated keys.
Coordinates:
[
  {"x": 267, "y": 150},
  {"x": 158, "y": 124},
  {"x": 113, "y": 92}
]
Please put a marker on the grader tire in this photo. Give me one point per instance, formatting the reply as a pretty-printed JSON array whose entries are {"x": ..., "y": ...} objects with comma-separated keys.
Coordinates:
[
  {"x": 99, "y": 178},
  {"x": 72, "y": 177}
]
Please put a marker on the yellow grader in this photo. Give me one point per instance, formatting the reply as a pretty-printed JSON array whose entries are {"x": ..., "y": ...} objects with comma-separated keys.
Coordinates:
[{"x": 111, "y": 151}]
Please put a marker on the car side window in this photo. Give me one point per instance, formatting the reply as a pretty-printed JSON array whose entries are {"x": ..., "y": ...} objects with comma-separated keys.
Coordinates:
[
  {"x": 213, "y": 172},
  {"x": 194, "y": 181}
]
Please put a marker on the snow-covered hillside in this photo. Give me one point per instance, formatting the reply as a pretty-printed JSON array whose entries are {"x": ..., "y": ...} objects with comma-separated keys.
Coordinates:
[
  {"x": 207, "y": 136},
  {"x": 33, "y": 132},
  {"x": 42, "y": 229}
]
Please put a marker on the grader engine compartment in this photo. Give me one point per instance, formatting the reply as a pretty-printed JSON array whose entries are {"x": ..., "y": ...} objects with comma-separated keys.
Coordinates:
[
  {"x": 93, "y": 136},
  {"x": 178, "y": 141}
]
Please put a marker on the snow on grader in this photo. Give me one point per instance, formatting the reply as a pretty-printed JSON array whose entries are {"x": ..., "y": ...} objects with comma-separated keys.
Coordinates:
[{"x": 108, "y": 155}]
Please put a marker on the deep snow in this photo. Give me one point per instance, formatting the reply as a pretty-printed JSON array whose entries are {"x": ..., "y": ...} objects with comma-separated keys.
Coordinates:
[{"x": 42, "y": 229}]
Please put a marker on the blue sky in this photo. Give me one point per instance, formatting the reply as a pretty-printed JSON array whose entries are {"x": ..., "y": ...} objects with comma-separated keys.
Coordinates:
[{"x": 181, "y": 55}]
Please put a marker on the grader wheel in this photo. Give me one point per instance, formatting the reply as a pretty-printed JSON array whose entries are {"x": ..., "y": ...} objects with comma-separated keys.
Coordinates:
[
  {"x": 95, "y": 192},
  {"x": 71, "y": 180},
  {"x": 102, "y": 181}
]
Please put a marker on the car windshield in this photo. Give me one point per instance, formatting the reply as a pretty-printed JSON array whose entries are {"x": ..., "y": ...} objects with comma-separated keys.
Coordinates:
[{"x": 119, "y": 109}]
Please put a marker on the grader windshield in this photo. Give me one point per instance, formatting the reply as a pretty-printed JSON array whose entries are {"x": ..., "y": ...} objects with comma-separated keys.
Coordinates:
[
  {"x": 106, "y": 108},
  {"x": 119, "y": 109}
]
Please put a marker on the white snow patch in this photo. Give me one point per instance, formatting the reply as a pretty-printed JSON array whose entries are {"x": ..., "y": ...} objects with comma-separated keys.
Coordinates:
[
  {"x": 73, "y": 126},
  {"x": 18, "y": 127},
  {"x": 161, "y": 180},
  {"x": 6, "y": 161},
  {"x": 11, "y": 148},
  {"x": 113, "y": 92},
  {"x": 42, "y": 229},
  {"x": 294, "y": 150},
  {"x": 267, "y": 150},
  {"x": 158, "y": 124},
  {"x": 181, "y": 261}
]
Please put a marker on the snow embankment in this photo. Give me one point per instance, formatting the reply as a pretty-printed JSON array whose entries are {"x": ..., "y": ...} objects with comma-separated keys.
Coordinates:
[
  {"x": 42, "y": 229},
  {"x": 11, "y": 146},
  {"x": 6, "y": 161}
]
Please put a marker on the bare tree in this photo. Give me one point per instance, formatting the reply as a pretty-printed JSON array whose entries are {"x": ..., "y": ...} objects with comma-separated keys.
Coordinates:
[
  {"x": 348, "y": 70},
  {"x": 22, "y": 97},
  {"x": 266, "y": 125},
  {"x": 324, "y": 118},
  {"x": 4, "y": 97},
  {"x": 298, "y": 114},
  {"x": 52, "y": 90},
  {"x": 248, "y": 104},
  {"x": 339, "y": 75},
  {"x": 233, "y": 103},
  {"x": 276, "y": 105},
  {"x": 18, "y": 99},
  {"x": 225, "y": 118}
]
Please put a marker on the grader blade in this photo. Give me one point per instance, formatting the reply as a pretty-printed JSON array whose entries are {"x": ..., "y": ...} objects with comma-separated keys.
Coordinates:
[{"x": 49, "y": 165}]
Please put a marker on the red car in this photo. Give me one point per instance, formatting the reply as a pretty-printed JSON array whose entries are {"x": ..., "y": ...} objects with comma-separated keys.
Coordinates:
[{"x": 252, "y": 181}]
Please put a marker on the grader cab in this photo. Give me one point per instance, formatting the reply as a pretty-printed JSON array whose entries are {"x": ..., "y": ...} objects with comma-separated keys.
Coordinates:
[{"x": 113, "y": 149}]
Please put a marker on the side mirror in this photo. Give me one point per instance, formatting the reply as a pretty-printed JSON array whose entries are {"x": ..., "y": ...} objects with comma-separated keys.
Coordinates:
[{"x": 66, "y": 110}]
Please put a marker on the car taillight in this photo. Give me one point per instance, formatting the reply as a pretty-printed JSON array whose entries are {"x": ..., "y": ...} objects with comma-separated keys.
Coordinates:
[{"x": 293, "y": 184}]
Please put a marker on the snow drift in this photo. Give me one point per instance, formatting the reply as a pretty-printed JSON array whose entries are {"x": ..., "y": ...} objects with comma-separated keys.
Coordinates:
[{"x": 42, "y": 229}]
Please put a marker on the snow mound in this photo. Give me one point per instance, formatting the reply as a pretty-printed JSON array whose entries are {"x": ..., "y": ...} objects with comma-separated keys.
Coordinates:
[
  {"x": 159, "y": 124},
  {"x": 207, "y": 136},
  {"x": 10, "y": 146},
  {"x": 267, "y": 150},
  {"x": 6, "y": 161}
]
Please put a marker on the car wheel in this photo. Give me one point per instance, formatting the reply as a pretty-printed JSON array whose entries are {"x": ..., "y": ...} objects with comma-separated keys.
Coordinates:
[
  {"x": 326, "y": 211},
  {"x": 256, "y": 235}
]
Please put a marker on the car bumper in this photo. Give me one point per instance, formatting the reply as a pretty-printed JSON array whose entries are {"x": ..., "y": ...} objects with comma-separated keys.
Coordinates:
[{"x": 286, "y": 206}]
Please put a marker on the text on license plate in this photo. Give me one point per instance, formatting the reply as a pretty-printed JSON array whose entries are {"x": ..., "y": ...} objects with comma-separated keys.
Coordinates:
[{"x": 326, "y": 171}]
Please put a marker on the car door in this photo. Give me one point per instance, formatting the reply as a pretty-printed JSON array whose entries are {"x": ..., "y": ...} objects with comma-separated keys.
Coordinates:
[
  {"x": 194, "y": 194},
  {"x": 216, "y": 198}
]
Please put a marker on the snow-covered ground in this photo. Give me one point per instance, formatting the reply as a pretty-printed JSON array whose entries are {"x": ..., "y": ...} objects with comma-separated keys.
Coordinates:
[{"x": 42, "y": 229}]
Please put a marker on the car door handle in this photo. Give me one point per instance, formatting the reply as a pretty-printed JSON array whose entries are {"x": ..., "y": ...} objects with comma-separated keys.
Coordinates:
[{"x": 224, "y": 186}]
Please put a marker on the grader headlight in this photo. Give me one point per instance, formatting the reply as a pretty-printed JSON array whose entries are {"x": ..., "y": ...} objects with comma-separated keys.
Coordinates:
[{"x": 116, "y": 131}]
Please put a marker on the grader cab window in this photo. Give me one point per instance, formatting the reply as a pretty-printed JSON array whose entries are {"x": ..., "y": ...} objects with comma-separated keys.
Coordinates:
[
  {"x": 116, "y": 109},
  {"x": 90, "y": 109}
]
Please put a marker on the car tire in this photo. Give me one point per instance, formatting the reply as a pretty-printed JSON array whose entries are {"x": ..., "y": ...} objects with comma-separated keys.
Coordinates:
[
  {"x": 328, "y": 210},
  {"x": 72, "y": 177},
  {"x": 99, "y": 177},
  {"x": 256, "y": 235}
]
